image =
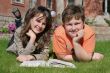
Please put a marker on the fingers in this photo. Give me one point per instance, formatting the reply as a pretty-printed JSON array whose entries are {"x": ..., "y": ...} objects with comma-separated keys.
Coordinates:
[
  {"x": 27, "y": 33},
  {"x": 31, "y": 34},
  {"x": 22, "y": 58},
  {"x": 97, "y": 56},
  {"x": 80, "y": 34}
]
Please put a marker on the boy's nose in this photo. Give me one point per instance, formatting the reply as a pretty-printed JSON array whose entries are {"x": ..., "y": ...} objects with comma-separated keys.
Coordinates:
[{"x": 73, "y": 27}]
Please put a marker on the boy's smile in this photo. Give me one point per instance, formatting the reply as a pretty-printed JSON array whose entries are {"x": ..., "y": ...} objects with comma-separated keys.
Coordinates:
[{"x": 73, "y": 26}]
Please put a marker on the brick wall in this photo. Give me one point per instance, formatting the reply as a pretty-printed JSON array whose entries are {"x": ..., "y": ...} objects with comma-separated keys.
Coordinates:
[
  {"x": 5, "y": 20},
  {"x": 6, "y": 7}
]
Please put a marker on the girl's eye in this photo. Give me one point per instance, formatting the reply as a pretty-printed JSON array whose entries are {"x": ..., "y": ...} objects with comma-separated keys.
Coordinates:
[
  {"x": 38, "y": 21},
  {"x": 43, "y": 23}
]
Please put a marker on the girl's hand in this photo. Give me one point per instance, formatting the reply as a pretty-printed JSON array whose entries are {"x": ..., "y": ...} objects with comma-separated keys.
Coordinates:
[
  {"x": 31, "y": 34},
  {"x": 79, "y": 36},
  {"x": 22, "y": 58}
]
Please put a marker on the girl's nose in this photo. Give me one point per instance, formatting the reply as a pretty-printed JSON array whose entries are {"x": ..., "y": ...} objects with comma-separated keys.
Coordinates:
[{"x": 40, "y": 24}]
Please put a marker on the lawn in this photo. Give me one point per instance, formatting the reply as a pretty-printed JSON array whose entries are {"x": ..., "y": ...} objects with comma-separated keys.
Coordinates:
[{"x": 8, "y": 63}]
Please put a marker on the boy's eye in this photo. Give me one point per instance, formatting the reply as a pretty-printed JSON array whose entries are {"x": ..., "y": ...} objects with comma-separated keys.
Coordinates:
[
  {"x": 69, "y": 24},
  {"x": 76, "y": 23}
]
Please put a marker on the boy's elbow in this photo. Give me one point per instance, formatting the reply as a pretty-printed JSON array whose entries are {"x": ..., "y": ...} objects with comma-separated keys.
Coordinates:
[
  {"x": 60, "y": 57},
  {"x": 85, "y": 59},
  {"x": 64, "y": 57}
]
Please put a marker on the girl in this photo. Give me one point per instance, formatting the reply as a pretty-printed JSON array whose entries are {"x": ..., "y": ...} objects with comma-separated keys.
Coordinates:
[{"x": 30, "y": 40}]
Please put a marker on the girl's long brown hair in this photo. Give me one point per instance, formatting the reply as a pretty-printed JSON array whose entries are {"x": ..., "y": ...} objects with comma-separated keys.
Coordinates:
[{"x": 41, "y": 37}]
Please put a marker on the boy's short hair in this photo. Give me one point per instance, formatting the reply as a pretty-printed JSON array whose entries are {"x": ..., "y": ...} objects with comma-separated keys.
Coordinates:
[{"x": 73, "y": 11}]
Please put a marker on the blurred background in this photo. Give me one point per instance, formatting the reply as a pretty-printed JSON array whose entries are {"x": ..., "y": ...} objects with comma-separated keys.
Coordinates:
[{"x": 97, "y": 13}]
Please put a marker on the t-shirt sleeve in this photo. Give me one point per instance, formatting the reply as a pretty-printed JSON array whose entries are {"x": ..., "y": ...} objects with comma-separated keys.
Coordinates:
[
  {"x": 89, "y": 44},
  {"x": 59, "y": 46}
]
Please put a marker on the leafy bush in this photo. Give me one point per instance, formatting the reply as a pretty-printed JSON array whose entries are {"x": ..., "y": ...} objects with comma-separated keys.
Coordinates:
[
  {"x": 107, "y": 21},
  {"x": 89, "y": 21},
  {"x": 10, "y": 28},
  {"x": 4, "y": 30}
]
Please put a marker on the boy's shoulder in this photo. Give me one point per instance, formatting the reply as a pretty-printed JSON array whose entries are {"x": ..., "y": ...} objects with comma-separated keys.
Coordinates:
[
  {"x": 59, "y": 30},
  {"x": 88, "y": 32},
  {"x": 89, "y": 29}
]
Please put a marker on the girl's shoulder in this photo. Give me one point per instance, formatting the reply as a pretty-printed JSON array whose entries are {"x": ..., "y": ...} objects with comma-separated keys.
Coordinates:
[{"x": 18, "y": 30}]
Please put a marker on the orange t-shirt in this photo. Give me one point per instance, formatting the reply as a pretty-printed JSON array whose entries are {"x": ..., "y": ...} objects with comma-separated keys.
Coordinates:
[{"x": 63, "y": 45}]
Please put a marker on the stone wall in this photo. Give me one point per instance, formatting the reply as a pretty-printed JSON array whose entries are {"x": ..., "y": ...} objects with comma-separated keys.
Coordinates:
[
  {"x": 4, "y": 21},
  {"x": 102, "y": 33}
]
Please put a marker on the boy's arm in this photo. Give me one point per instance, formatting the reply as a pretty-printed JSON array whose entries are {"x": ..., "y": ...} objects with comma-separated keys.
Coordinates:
[
  {"x": 65, "y": 57},
  {"x": 81, "y": 53},
  {"x": 59, "y": 47}
]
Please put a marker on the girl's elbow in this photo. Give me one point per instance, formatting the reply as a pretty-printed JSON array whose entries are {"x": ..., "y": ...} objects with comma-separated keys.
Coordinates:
[{"x": 45, "y": 57}]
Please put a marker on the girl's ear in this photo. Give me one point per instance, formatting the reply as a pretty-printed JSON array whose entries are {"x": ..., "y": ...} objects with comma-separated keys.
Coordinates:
[
  {"x": 33, "y": 31},
  {"x": 83, "y": 26}
]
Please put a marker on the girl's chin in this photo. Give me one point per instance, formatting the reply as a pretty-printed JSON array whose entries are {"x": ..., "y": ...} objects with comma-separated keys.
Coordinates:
[{"x": 36, "y": 31}]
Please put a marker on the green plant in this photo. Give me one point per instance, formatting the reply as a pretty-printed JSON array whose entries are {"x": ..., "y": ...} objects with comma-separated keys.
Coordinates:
[
  {"x": 10, "y": 65},
  {"x": 4, "y": 30},
  {"x": 89, "y": 21},
  {"x": 107, "y": 21}
]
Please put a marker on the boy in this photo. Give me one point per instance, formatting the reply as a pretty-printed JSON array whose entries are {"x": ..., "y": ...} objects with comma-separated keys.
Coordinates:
[{"x": 74, "y": 40}]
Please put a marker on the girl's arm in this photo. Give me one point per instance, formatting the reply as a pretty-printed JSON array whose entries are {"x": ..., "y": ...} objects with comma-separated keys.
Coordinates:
[
  {"x": 44, "y": 55},
  {"x": 30, "y": 47}
]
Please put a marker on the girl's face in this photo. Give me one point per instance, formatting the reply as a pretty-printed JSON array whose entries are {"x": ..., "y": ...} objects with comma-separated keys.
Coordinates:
[
  {"x": 73, "y": 26},
  {"x": 38, "y": 23}
]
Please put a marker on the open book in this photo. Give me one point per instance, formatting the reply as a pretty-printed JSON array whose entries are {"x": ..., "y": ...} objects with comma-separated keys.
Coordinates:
[{"x": 49, "y": 63}]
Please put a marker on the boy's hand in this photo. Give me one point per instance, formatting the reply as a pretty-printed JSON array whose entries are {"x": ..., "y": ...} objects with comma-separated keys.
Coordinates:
[{"x": 80, "y": 34}]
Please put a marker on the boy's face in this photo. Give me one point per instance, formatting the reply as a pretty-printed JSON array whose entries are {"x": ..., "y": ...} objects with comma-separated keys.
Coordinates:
[{"x": 73, "y": 26}]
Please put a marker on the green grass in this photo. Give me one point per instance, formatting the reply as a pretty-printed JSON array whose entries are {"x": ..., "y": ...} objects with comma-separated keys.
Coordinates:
[{"x": 8, "y": 63}]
